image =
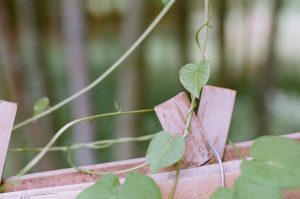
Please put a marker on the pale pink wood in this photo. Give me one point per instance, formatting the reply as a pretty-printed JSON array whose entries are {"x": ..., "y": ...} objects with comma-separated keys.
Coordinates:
[
  {"x": 7, "y": 117},
  {"x": 195, "y": 183},
  {"x": 172, "y": 116},
  {"x": 164, "y": 180},
  {"x": 214, "y": 114},
  {"x": 70, "y": 176}
]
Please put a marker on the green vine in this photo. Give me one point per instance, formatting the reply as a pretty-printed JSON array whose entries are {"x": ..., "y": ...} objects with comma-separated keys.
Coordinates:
[
  {"x": 43, "y": 152},
  {"x": 105, "y": 74},
  {"x": 101, "y": 144},
  {"x": 164, "y": 150}
]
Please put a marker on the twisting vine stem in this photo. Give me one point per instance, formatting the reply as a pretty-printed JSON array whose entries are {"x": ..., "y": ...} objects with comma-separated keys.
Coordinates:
[
  {"x": 208, "y": 14},
  {"x": 187, "y": 130},
  {"x": 106, "y": 73}
]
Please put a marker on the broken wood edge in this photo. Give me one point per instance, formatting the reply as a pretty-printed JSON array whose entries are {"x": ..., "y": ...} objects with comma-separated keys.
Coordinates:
[
  {"x": 215, "y": 114},
  {"x": 66, "y": 177},
  {"x": 172, "y": 115}
]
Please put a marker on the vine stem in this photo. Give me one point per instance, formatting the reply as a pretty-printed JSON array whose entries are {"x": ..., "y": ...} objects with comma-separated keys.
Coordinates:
[
  {"x": 106, "y": 73},
  {"x": 92, "y": 145},
  {"x": 175, "y": 183},
  {"x": 187, "y": 130},
  {"x": 71, "y": 163},
  {"x": 206, "y": 15},
  {"x": 42, "y": 153},
  {"x": 189, "y": 117}
]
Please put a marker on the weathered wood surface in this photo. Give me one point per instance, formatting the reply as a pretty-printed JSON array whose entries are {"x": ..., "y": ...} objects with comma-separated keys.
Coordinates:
[
  {"x": 7, "y": 117},
  {"x": 215, "y": 113},
  {"x": 194, "y": 183},
  {"x": 172, "y": 116},
  {"x": 72, "y": 177},
  {"x": 198, "y": 175}
]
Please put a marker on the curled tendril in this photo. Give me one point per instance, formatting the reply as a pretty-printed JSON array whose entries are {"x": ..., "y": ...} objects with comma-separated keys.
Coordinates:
[{"x": 205, "y": 24}]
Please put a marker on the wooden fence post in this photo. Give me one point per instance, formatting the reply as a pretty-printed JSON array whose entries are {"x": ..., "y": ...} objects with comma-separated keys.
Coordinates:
[{"x": 7, "y": 116}]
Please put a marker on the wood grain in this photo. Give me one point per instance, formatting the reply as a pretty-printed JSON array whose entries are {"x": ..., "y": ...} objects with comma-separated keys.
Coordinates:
[
  {"x": 195, "y": 183},
  {"x": 215, "y": 113},
  {"x": 172, "y": 116},
  {"x": 7, "y": 116},
  {"x": 65, "y": 177}
]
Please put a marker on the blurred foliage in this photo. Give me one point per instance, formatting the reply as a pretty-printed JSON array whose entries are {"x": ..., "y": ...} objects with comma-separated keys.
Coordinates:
[{"x": 255, "y": 53}]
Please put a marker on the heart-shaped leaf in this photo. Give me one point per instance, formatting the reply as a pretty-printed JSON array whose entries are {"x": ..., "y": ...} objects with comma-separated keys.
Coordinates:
[
  {"x": 223, "y": 193},
  {"x": 165, "y": 150},
  {"x": 41, "y": 105},
  {"x": 136, "y": 186},
  {"x": 106, "y": 187},
  {"x": 193, "y": 77},
  {"x": 275, "y": 163}
]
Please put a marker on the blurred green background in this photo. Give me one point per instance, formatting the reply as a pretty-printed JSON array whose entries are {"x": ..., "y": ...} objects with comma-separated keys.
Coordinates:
[{"x": 54, "y": 48}]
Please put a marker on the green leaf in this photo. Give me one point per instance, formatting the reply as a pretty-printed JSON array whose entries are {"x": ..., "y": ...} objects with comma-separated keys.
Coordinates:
[
  {"x": 223, "y": 193},
  {"x": 40, "y": 106},
  {"x": 165, "y": 150},
  {"x": 165, "y": 1},
  {"x": 246, "y": 189},
  {"x": 136, "y": 186},
  {"x": 105, "y": 188},
  {"x": 194, "y": 77},
  {"x": 275, "y": 163}
]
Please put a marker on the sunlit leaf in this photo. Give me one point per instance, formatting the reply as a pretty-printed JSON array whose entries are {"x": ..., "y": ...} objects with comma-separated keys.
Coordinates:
[
  {"x": 193, "y": 77},
  {"x": 165, "y": 150}
]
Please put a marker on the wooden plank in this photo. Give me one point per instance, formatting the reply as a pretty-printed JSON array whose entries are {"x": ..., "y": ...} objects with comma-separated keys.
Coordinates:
[
  {"x": 194, "y": 183},
  {"x": 172, "y": 116},
  {"x": 71, "y": 176},
  {"x": 164, "y": 180},
  {"x": 7, "y": 116},
  {"x": 214, "y": 114}
]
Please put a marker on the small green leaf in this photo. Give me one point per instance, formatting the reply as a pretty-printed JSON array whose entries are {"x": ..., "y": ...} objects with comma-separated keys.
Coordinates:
[
  {"x": 136, "y": 186},
  {"x": 223, "y": 193},
  {"x": 194, "y": 77},
  {"x": 40, "y": 106},
  {"x": 165, "y": 1},
  {"x": 275, "y": 163},
  {"x": 117, "y": 107},
  {"x": 246, "y": 189},
  {"x": 164, "y": 150},
  {"x": 105, "y": 188}
]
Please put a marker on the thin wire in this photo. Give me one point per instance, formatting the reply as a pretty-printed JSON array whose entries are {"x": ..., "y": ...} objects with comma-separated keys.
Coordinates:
[{"x": 219, "y": 160}]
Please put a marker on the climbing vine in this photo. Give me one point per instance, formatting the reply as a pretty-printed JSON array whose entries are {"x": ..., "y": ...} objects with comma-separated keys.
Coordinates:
[{"x": 271, "y": 170}]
